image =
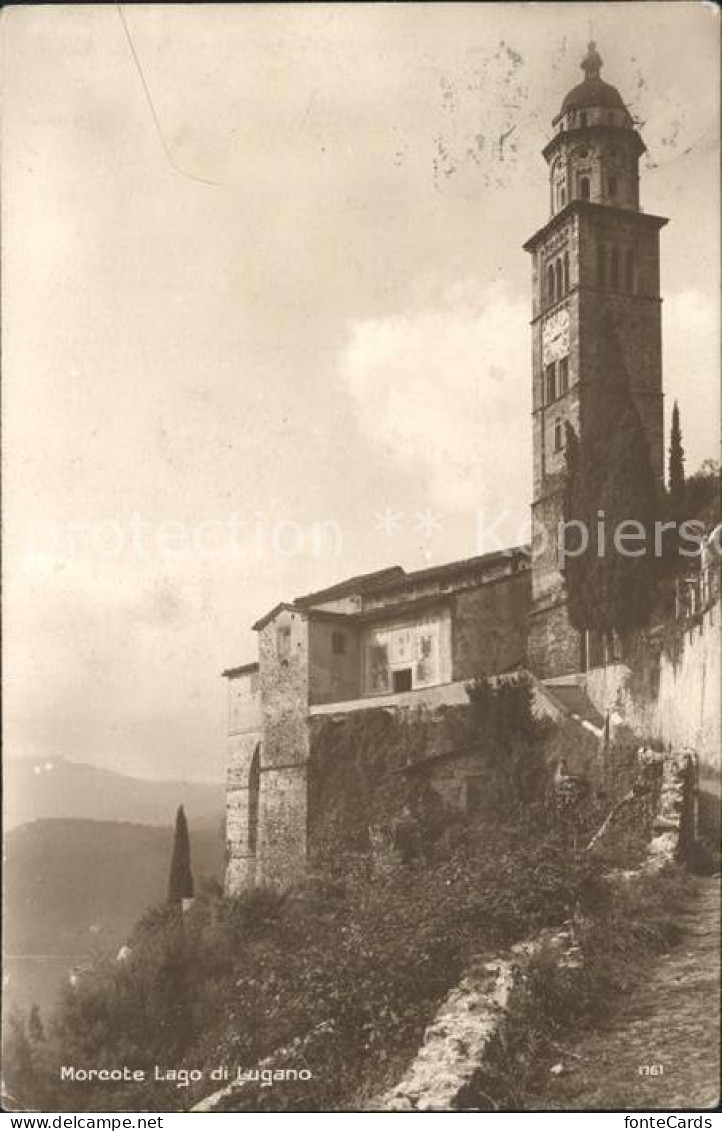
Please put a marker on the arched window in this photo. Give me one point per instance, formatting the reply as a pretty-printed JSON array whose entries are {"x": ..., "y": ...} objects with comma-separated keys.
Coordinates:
[
  {"x": 551, "y": 382},
  {"x": 612, "y": 187},
  {"x": 566, "y": 272},
  {"x": 559, "y": 280},
  {"x": 601, "y": 267},
  {"x": 558, "y": 435},
  {"x": 584, "y": 188},
  {"x": 254, "y": 789},
  {"x": 550, "y": 283},
  {"x": 614, "y": 270},
  {"x": 629, "y": 271}
]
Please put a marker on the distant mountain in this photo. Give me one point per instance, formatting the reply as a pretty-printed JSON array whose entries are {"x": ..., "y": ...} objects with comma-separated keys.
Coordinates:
[
  {"x": 74, "y": 888},
  {"x": 36, "y": 790}
]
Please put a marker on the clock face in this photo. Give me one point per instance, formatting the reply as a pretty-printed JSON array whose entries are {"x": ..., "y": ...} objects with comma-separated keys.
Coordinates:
[{"x": 555, "y": 337}]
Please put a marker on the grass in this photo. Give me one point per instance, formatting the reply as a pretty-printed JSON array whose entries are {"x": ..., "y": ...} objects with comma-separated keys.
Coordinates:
[{"x": 556, "y": 1007}]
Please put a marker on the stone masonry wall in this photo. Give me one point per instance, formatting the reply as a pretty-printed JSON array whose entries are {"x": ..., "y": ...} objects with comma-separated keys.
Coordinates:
[
  {"x": 284, "y": 688},
  {"x": 489, "y": 627},
  {"x": 333, "y": 676},
  {"x": 240, "y": 852},
  {"x": 673, "y": 696},
  {"x": 244, "y": 736},
  {"x": 553, "y": 646}
]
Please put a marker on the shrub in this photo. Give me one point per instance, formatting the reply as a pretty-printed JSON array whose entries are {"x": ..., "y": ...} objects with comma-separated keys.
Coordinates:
[{"x": 631, "y": 924}]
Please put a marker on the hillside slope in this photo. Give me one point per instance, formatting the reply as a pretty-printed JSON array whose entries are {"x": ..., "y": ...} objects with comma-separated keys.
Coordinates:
[
  {"x": 57, "y": 788},
  {"x": 73, "y": 888}
]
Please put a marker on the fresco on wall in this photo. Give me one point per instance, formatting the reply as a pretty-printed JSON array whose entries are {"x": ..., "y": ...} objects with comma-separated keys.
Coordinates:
[
  {"x": 378, "y": 668},
  {"x": 397, "y": 648},
  {"x": 427, "y": 657}
]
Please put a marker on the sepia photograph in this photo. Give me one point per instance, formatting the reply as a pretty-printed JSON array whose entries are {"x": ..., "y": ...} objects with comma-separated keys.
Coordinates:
[{"x": 362, "y": 547}]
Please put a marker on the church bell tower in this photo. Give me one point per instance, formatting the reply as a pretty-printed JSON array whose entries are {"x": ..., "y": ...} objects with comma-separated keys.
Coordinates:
[{"x": 595, "y": 260}]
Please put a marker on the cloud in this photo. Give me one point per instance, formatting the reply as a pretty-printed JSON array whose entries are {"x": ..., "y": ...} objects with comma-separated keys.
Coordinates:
[{"x": 445, "y": 390}]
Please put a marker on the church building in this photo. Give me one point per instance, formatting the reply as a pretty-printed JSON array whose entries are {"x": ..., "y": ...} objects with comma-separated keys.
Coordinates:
[{"x": 399, "y": 640}]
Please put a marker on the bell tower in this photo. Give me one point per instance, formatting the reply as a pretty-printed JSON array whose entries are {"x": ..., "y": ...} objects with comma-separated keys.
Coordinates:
[{"x": 595, "y": 262}]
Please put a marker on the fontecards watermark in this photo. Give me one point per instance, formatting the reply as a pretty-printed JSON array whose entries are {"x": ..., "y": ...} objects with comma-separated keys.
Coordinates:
[{"x": 184, "y": 1077}]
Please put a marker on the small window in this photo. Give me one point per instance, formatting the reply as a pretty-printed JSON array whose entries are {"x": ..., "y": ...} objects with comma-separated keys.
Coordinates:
[
  {"x": 559, "y": 279},
  {"x": 254, "y": 789},
  {"x": 566, "y": 272},
  {"x": 550, "y": 283},
  {"x": 558, "y": 435},
  {"x": 584, "y": 188},
  {"x": 612, "y": 187},
  {"x": 551, "y": 382},
  {"x": 562, "y": 196},
  {"x": 602, "y": 267},
  {"x": 402, "y": 680},
  {"x": 563, "y": 376},
  {"x": 283, "y": 639},
  {"x": 614, "y": 269},
  {"x": 629, "y": 271},
  {"x": 583, "y": 121},
  {"x": 338, "y": 643}
]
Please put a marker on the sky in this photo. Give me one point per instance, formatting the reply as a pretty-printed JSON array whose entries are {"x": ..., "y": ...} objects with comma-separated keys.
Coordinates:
[{"x": 266, "y": 320}]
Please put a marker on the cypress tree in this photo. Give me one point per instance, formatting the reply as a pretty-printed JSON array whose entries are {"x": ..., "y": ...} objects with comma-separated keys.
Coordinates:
[
  {"x": 676, "y": 467},
  {"x": 610, "y": 474},
  {"x": 180, "y": 882},
  {"x": 622, "y": 582}
]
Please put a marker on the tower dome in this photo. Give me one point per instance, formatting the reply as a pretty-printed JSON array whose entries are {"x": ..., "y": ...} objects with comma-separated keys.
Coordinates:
[
  {"x": 594, "y": 153},
  {"x": 593, "y": 91}
]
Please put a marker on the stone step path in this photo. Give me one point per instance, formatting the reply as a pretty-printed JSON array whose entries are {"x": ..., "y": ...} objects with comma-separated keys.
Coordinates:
[{"x": 672, "y": 1023}]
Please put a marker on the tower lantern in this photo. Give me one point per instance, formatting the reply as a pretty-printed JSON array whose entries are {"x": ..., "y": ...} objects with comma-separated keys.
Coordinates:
[
  {"x": 594, "y": 154},
  {"x": 595, "y": 265}
]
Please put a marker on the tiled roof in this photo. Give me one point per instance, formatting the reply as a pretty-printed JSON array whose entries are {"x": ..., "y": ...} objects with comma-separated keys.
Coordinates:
[
  {"x": 463, "y": 566},
  {"x": 360, "y": 584},
  {"x": 395, "y": 577}
]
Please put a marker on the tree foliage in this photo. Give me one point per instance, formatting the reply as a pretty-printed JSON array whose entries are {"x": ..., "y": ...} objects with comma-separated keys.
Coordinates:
[
  {"x": 511, "y": 740},
  {"x": 703, "y": 492},
  {"x": 180, "y": 881}
]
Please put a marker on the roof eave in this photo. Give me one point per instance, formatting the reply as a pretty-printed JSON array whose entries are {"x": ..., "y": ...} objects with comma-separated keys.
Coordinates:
[
  {"x": 352, "y": 586},
  {"x": 269, "y": 616},
  {"x": 579, "y": 131},
  {"x": 590, "y": 206},
  {"x": 241, "y": 669}
]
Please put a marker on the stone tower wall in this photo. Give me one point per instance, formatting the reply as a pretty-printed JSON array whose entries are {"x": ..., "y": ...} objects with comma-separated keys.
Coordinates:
[{"x": 284, "y": 687}]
